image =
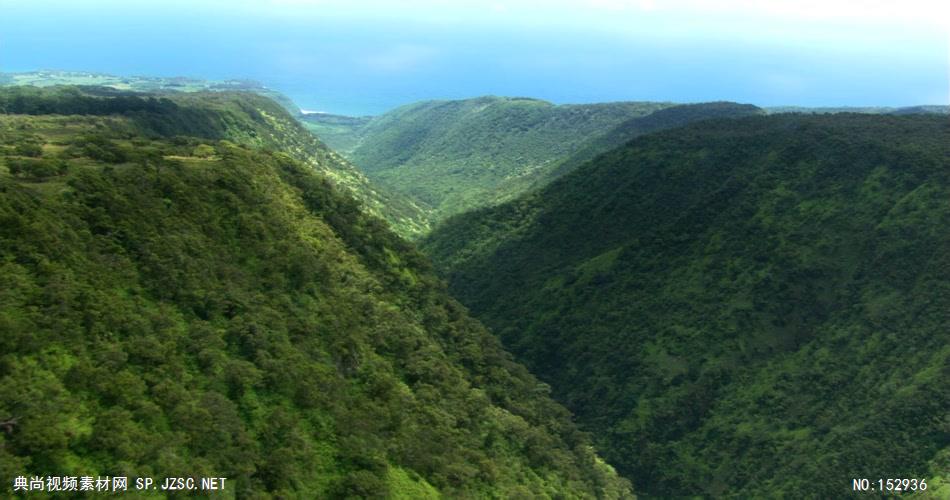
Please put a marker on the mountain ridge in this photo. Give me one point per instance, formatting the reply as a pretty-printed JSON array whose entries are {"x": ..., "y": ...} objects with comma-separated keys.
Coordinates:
[
  {"x": 176, "y": 306},
  {"x": 716, "y": 303},
  {"x": 453, "y": 155},
  {"x": 458, "y": 155},
  {"x": 242, "y": 117}
]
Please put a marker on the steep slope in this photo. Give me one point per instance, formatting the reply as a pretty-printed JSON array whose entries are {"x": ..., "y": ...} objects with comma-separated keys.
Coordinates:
[
  {"x": 153, "y": 85},
  {"x": 458, "y": 155},
  {"x": 752, "y": 308},
  {"x": 177, "y": 306},
  {"x": 667, "y": 118},
  {"x": 244, "y": 118},
  {"x": 341, "y": 133}
]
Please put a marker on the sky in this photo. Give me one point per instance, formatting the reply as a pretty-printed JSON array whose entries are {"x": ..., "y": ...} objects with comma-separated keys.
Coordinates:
[{"x": 365, "y": 57}]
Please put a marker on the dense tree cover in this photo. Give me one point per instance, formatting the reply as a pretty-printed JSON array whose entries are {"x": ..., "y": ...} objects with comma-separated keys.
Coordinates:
[
  {"x": 666, "y": 118},
  {"x": 909, "y": 110},
  {"x": 454, "y": 156},
  {"x": 748, "y": 308},
  {"x": 244, "y": 118},
  {"x": 457, "y": 155},
  {"x": 73, "y": 101},
  {"x": 47, "y": 78},
  {"x": 341, "y": 133},
  {"x": 192, "y": 307},
  {"x": 916, "y": 110}
]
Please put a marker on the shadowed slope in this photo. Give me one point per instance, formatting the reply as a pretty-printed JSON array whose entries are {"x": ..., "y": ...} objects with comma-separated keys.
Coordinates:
[{"x": 749, "y": 308}]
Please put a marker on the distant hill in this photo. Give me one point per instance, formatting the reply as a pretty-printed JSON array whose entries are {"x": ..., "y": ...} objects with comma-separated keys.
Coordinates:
[
  {"x": 667, "y": 118},
  {"x": 456, "y": 155},
  {"x": 880, "y": 110},
  {"x": 341, "y": 133},
  {"x": 913, "y": 110},
  {"x": 185, "y": 291},
  {"x": 244, "y": 118},
  {"x": 49, "y": 78},
  {"x": 751, "y": 308}
]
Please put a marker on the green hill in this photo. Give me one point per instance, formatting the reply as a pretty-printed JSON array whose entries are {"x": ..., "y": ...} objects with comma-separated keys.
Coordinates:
[
  {"x": 48, "y": 78},
  {"x": 908, "y": 110},
  {"x": 753, "y": 308},
  {"x": 456, "y": 155},
  {"x": 666, "y": 118},
  {"x": 178, "y": 305},
  {"x": 243, "y": 118},
  {"x": 340, "y": 133}
]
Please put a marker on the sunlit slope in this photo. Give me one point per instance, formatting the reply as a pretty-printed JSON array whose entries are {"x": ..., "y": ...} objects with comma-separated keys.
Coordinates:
[
  {"x": 340, "y": 133},
  {"x": 752, "y": 308},
  {"x": 48, "y": 78},
  {"x": 243, "y": 118},
  {"x": 185, "y": 306},
  {"x": 458, "y": 155}
]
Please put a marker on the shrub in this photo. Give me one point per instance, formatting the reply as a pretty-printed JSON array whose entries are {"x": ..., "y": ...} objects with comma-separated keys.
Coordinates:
[
  {"x": 100, "y": 148},
  {"x": 36, "y": 168},
  {"x": 30, "y": 149}
]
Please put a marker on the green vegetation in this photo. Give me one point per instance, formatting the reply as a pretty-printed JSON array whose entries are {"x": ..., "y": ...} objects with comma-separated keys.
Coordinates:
[
  {"x": 751, "y": 308},
  {"x": 243, "y": 118},
  {"x": 144, "y": 84},
  {"x": 910, "y": 110},
  {"x": 174, "y": 303},
  {"x": 340, "y": 133},
  {"x": 667, "y": 118},
  {"x": 452, "y": 156}
]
